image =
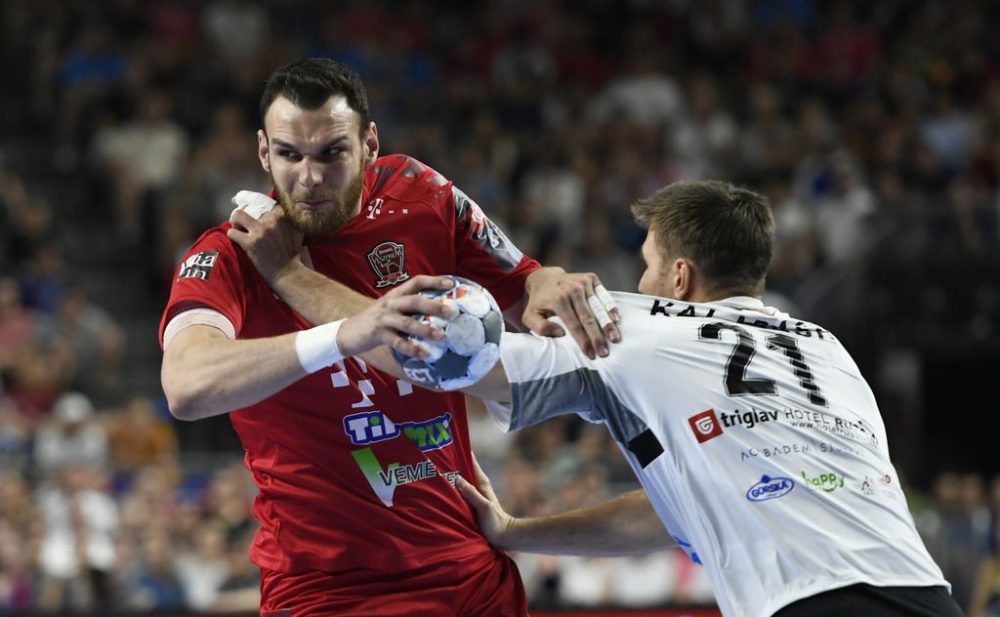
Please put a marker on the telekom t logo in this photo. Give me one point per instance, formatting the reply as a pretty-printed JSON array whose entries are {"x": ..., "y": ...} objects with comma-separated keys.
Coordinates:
[
  {"x": 705, "y": 425},
  {"x": 375, "y": 207}
]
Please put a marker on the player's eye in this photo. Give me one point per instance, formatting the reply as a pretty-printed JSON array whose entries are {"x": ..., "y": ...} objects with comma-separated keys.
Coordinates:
[
  {"x": 329, "y": 153},
  {"x": 289, "y": 155}
]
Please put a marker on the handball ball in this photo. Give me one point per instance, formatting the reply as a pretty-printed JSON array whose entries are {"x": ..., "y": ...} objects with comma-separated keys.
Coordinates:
[{"x": 471, "y": 345}]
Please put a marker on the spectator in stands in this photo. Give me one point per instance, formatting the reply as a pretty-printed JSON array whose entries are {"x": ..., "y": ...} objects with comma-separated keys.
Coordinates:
[
  {"x": 228, "y": 500},
  {"x": 139, "y": 437},
  {"x": 77, "y": 553},
  {"x": 985, "y": 599},
  {"x": 956, "y": 530},
  {"x": 155, "y": 585},
  {"x": 95, "y": 340},
  {"x": 17, "y": 588},
  {"x": 705, "y": 142},
  {"x": 203, "y": 570},
  {"x": 142, "y": 158},
  {"x": 15, "y": 438},
  {"x": 241, "y": 590},
  {"x": 17, "y": 326},
  {"x": 73, "y": 438},
  {"x": 644, "y": 94}
]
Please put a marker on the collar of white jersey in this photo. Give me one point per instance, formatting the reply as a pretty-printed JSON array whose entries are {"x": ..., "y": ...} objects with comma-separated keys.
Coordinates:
[{"x": 748, "y": 303}]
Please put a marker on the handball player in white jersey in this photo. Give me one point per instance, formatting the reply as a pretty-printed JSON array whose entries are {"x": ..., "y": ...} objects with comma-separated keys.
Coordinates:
[
  {"x": 758, "y": 444},
  {"x": 756, "y": 439}
]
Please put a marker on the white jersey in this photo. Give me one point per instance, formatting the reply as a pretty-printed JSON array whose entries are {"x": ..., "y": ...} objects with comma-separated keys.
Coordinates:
[{"x": 755, "y": 436}]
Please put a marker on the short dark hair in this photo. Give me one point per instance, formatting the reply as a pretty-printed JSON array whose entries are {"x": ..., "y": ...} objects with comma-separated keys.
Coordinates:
[
  {"x": 311, "y": 82},
  {"x": 727, "y": 231}
]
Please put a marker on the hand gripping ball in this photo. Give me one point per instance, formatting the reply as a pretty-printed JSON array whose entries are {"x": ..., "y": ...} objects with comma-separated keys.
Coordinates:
[{"x": 472, "y": 339}]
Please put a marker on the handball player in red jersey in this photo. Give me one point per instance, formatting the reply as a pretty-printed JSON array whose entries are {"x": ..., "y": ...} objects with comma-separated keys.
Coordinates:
[{"x": 355, "y": 470}]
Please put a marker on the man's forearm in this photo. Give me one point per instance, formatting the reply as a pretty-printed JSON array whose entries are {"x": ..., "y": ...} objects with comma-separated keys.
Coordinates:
[
  {"x": 320, "y": 300},
  {"x": 624, "y": 525},
  {"x": 316, "y": 297}
]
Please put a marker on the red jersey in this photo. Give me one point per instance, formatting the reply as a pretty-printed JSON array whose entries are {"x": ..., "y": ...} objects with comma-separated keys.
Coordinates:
[{"x": 353, "y": 466}]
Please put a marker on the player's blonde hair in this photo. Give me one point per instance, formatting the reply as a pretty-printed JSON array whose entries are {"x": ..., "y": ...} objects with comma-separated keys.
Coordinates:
[{"x": 725, "y": 230}]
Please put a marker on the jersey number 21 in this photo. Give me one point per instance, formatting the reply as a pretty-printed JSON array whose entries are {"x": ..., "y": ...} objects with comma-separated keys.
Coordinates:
[{"x": 736, "y": 369}]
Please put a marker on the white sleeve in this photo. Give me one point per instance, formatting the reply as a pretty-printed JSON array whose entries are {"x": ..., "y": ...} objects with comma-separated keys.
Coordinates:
[
  {"x": 197, "y": 316},
  {"x": 548, "y": 377}
]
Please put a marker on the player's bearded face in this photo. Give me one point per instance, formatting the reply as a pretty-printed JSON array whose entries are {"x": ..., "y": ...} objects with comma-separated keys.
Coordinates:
[{"x": 334, "y": 207}]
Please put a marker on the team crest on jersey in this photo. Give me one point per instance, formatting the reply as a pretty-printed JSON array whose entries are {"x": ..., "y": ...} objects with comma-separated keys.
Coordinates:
[
  {"x": 387, "y": 259},
  {"x": 199, "y": 265}
]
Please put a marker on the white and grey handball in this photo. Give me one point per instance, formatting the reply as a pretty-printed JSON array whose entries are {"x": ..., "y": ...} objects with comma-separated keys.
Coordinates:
[{"x": 471, "y": 346}]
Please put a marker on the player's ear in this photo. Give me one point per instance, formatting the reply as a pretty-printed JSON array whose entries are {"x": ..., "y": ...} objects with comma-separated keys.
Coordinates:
[
  {"x": 371, "y": 144},
  {"x": 683, "y": 275},
  {"x": 263, "y": 150}
]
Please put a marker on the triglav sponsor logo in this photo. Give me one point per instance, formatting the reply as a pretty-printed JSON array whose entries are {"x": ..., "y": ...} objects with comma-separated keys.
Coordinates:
[
  {"x": 709, "y": 423},
  {"x": 705, "y": 425},
  {"x": 770, "y": 488},
  {"x": 748, "y": 419}
]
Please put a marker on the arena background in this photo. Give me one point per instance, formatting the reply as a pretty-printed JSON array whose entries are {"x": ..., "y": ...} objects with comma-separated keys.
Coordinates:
[{"x": 127, "y": 124}]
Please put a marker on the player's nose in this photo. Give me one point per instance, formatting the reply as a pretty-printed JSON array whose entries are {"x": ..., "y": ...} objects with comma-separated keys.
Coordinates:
[{"x": 310, "y": 174}]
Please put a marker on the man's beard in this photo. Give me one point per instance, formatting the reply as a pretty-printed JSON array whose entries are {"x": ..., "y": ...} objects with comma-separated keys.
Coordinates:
[{"x": 329, "y": 219}]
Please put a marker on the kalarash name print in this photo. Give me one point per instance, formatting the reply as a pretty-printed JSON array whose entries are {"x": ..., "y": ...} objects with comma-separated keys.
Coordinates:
[{"x": 682, "y": 309}]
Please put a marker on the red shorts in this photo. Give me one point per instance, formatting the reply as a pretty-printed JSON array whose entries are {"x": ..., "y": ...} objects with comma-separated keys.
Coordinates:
[{"x": 487, "y": 585}]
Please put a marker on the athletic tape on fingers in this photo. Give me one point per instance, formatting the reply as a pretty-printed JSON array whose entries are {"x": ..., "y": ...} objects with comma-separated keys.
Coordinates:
[
  {"x": 606, "y": 298},
  {"x": 601, "y": 313},
  {"x": 253, "y": 203}
]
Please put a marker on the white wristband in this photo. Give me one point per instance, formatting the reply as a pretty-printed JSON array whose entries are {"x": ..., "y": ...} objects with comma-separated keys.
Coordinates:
[{"x": 317, "y": 348}]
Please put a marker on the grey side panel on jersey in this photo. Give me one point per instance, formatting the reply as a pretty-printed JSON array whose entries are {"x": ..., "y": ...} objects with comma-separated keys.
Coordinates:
[
  {"x": 486, "y": 232},
  {"x": 584, "y": 393}
]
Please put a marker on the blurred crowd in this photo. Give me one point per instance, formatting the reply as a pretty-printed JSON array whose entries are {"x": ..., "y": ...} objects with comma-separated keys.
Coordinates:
[
  {"x": 127, "y": 125},
  {"x": 97, "y": 514}
]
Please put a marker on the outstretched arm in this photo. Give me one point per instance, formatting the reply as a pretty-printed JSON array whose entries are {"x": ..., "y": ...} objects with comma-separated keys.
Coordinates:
[
  {"x": 579, "y": 300},
  {"x": 624, "y": 525},
  {"x": 206, "y": 373}
]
